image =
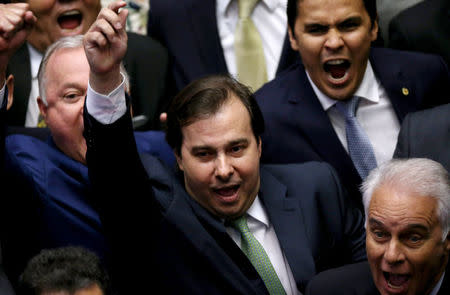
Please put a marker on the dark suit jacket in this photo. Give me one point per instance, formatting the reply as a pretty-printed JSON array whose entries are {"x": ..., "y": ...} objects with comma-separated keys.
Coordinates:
[
  {"x": 160, "y": 227},
  {"x": 423, "y": 27},
  {"x": 298, "y": 129},
  {"x": 5, "y": 285},
  {"x": 355, "y": 279},
  {"x": 189, "y": 31},
  {"x": 146, "y": 62},
  {"x": 426, "y": 134},
  {"x": 47, "y": 199}
]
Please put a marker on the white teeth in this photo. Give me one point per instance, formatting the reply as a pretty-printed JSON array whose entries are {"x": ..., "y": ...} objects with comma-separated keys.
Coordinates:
[
  {"x": 336, "y": 62},
  {"x": 72, "y": 12},
  {"x": 392, "y": 286}
]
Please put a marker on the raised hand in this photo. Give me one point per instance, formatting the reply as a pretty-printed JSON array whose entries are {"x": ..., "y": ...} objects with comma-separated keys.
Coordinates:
[
  {"x": 16, "y": 21},
  {"x": 105, "y": 45}
]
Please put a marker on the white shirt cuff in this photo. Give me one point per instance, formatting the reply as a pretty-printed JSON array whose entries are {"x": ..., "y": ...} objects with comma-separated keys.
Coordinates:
[{"x": 107, "y": 108}]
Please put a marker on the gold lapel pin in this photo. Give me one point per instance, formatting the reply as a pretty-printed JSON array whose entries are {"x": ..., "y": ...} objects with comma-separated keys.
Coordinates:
[{"x": 405, "y": 91}]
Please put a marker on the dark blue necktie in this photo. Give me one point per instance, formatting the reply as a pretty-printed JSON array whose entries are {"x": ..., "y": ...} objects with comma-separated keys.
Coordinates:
[{"x": 359, "y": 146}]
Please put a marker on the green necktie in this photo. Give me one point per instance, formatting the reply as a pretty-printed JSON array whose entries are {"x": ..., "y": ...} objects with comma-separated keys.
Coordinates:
[
  {"x": 250, "y": 60},
  {"x": 258, "y": 257}
]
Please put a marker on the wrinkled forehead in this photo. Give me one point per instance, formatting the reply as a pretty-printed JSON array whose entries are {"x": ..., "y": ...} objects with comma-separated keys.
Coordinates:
[{"x": 402, "y": 207}]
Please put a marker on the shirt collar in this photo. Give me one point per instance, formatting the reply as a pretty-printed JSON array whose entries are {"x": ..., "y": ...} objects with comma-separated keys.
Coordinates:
[
  {"x": 438, "y": 285},
  {"x": 223, "y": 5},
  {"x": 257, "y": 212},
  {"x": 368, "y": 89},
  {"x": 35, "y": 60}
]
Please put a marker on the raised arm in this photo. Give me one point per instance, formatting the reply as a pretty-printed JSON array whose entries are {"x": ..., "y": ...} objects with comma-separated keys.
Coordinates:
[
  {"x": 121, "y": 189},
  {"x": 16, "y": 21},
  {"x": 106, "y": 44}
]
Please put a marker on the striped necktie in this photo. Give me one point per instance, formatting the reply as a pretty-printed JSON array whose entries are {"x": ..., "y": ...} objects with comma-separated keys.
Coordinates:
[{"x": 250, "y": 59}]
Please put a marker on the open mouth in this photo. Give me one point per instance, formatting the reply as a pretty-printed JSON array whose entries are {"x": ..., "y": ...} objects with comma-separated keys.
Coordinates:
[
  {"x": 396, "y": 281},
  {"x": 227, "y": 191},
  {"x": 70, "y": 20},
  {"x": 337, "y": 68}
]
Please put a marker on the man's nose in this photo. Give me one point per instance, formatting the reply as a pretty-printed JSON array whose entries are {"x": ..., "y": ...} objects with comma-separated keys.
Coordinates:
[
  {"x": 224, "y": 168},
  {"x": 334, "y": 40},
  {"x": 393, "y": 253}
]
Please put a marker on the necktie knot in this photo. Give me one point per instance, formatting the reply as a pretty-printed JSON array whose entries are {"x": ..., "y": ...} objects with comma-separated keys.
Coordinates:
[
  {"x": 246, "y": 8},
  {"x": 240, "y": 224},
  {"x": 348, "y": 107}
]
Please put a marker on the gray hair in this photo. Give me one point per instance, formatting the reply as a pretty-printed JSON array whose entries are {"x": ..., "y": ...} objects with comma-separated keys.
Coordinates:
[
  {"x": 70, "y": 42},
  {"x": 419, "y": 176}
]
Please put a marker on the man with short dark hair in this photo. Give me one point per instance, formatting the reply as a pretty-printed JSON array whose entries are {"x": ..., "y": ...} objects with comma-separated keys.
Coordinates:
[
  {"x": 223, "y": 224},
  {"x": 65, "y": 271},
  {"x": 202, "y": 38},
  {"x": 407, "y": 205},
  {"x": 344, "y": 104}
]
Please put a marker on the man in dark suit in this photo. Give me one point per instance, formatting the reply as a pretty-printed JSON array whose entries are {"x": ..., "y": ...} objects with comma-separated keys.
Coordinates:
[
  {"x": 197, "y": 34},
  {"x": 424, "y": 27},
  {"x": 16, "y": 20},
  {"x": 46, "y": 202},
  {"x": 183, "y": 228},
  {"x": 387, "y": 10},
  {"x": 426, "y": 134},
  {"x": 302, "y": 106},
  {"x": 57, "y": 19},
  {"x": 407, "y": 204}
]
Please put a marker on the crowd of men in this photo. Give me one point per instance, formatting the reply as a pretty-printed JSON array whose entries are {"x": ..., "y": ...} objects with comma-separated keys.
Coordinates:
[{"x": 242, "y": 147}]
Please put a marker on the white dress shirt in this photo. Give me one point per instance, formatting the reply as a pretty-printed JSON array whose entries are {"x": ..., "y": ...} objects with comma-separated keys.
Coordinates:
[
  {"x": 32, "y": 116},
  {"x": 262, "y": 229},
  {"x": 438, "y": 285},
  {"x": 375, "y": 114},
  {"x": 270, "y": 19}
]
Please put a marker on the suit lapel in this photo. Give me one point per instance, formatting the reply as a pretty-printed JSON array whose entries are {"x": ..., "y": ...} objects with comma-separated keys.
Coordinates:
[
  {"x": 400, "y": 90},
  {"x": 445, "y": 287},
  {"x": 208, "y": 235},
  {"x": 286, "y": 217},
  {"x": 316, "y": 126},
  {"x": 202, "y": 16}
]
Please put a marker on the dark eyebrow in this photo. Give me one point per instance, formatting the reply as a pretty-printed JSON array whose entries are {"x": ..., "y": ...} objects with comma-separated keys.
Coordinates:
[
  {"x": 238, "y": 141},
  {"x": 200, "y": 148},
  {"x": 356, "y": 19},
  {"x": 417, "y": 226},
  {"x": 311, "y": 26}
]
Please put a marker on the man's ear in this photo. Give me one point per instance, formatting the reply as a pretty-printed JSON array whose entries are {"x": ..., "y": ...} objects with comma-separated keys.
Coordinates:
[
  {"x": 42, "y": 108},
  {"x": 374, "y": 30},
  {"x": 259, "y": 146},
  {"x": 179, "y": 161},
  {"x": 292, "y": 39},
  {"x": 10, "y": 85}
]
